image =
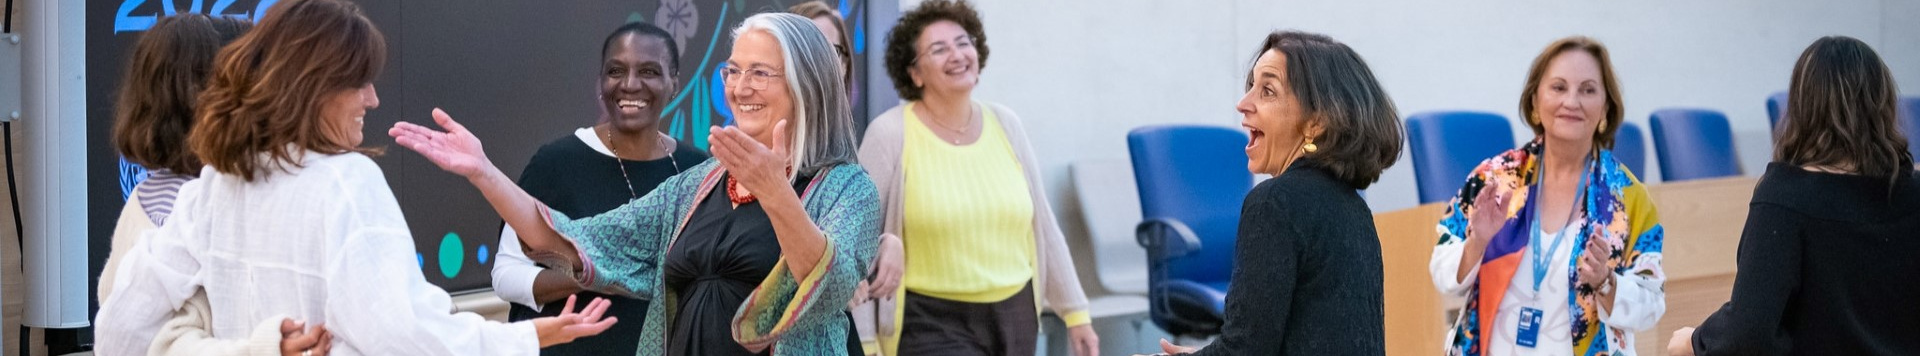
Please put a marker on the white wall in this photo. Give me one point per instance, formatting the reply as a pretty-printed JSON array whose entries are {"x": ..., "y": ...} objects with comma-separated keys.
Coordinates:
[{"x": 1083, "y": 72}]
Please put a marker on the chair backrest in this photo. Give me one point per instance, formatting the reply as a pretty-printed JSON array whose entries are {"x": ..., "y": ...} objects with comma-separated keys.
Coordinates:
[
  {"x": 1776, "y": 106},
  {"x": 1630, "y": 147},
  {"x": 1910, "y": 122},
  {"x": 1693, "y": 144},
  {"x": 1197, "y": 175},
  {"x": 1110, "y": 204},
  {"x": 1447, "y": 145}
]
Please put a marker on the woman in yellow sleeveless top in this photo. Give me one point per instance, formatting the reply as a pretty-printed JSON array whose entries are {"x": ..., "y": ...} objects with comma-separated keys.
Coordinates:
[{"x": 970, "y": 248}]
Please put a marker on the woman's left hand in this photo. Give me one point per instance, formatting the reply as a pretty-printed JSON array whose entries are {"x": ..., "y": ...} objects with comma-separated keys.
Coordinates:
[
  {"x": 1593, "y": 263},
  {"x": 1083, "y": 341},
  {"x": 757, "y": 167},
  {"x": 1682, "y": 343}
]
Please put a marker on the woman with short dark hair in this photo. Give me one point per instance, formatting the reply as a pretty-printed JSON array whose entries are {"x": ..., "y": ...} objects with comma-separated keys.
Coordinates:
[
  {"x": 1826, "y": 259},
  {"x": 1555, "y": 246},
  {"x": 1308, "y": 274},
  {"x": 594, "y": 169}
]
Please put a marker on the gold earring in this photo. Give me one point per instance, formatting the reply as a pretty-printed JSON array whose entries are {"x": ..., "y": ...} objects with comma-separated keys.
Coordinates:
[{"x": 1309, "y": 147}]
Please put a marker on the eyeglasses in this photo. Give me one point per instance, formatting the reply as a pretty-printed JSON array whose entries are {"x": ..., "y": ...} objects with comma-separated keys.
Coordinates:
[
  {"x": 940, "y": 50},
  {"x": 756, "y": 78}
]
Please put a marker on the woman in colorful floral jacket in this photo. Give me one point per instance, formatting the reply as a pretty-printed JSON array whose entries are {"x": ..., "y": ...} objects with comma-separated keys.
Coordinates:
[{"x": 1555, "y": 246}]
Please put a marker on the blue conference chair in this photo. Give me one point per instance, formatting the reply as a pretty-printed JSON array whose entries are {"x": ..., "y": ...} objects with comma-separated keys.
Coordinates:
[
  {"x": 1447, "y": 145},
  {"x": 1192, "y": 180},
  {"x": 1776, "y": 106},
  {"x": 1630, "y": 147},
  {"x": 1910, "y": 121},
  {"x": 1693, "y": 144}
]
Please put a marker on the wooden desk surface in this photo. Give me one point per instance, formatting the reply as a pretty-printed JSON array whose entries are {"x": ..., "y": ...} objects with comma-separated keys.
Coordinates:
[{"x": 1702, "y": 218}]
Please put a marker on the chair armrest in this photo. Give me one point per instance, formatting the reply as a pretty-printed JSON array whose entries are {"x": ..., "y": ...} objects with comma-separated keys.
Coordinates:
[{"x": 1166, "y": 238}]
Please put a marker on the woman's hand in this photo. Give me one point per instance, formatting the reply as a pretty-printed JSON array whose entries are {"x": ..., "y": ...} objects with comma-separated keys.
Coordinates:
[
  {"x": 1172, "y": 349},
  {"x": 315, "y": 341},
  {"x": 1083, "y": 341},
  {"x": 1490, "y": 209},
  {"x": 456, "y": 150},
  {"x": 567, "y": 326},
  {"x": 757, "y": 167},
  {"x": 1593, "y": 264},
  {"x": 888, "y": 267},
  {"x": 1489, "y": 214},
  {"x": 1682, "y": 343}
]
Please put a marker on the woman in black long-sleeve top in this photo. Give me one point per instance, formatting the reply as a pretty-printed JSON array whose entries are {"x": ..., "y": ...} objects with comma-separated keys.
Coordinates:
[
  {"x": 1827, "y": 261},
  {"x": 1307, "y": 279}
]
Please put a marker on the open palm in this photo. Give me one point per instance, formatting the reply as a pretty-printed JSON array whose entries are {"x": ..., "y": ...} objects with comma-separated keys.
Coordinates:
[{"x": 455, "y": 150}]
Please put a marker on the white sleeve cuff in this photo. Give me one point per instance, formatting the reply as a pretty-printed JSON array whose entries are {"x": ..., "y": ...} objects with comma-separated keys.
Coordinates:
[
  {"x": 513, "y": 272},
  {"x": 1446, "y": 265},
  {"x": 1638, "y": 303}
]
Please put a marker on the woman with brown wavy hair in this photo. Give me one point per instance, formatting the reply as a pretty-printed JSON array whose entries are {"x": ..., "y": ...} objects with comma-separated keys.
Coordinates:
[
  {"x": 1826, "y": 261},
  {"x": 168, "y": 68},
  {"x": 292, "y": 219}
]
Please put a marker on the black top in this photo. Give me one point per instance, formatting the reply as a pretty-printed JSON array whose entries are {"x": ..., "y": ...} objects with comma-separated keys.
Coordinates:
[
  {"x": 1828, "y": 266},
  {"x": 1307, "y": 277},
  {"x": 572, "y": 178},
  {"x": 721, "y": 255}
]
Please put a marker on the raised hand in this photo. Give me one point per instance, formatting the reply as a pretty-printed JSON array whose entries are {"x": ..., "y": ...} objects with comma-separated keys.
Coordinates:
[
  {"x": 1593, "y": 264},
  {"x": 757, "y": 167},
  {"x": 1490, "y": 209},
  {"x": 455, "y": 150},
  {"x": 567, "y": 326}
]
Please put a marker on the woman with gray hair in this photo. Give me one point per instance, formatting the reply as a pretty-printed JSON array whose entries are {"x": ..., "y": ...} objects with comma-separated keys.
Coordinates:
[{"x": 759, "y": 247}]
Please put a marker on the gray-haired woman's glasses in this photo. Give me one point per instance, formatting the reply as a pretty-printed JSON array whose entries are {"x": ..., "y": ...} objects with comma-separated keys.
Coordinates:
[{"x": 756, "y": 78}]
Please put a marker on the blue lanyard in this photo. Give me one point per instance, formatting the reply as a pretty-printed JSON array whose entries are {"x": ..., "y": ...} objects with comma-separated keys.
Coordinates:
[{"x": 1540, "y": 262}]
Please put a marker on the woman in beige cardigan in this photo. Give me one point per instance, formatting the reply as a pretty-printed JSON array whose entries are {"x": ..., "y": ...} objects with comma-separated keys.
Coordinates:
[{"x": 970, "y": 248}]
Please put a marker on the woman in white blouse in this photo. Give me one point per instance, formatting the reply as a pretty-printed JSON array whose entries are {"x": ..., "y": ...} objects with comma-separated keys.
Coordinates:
[{"x": 291, "y": 219}]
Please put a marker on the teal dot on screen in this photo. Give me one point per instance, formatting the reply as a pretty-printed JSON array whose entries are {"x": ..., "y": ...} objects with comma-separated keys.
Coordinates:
[
  {"x": 422, "y": 258},
  {"x": 482, "y": 255},
  {"x": 451, "y": 255}
]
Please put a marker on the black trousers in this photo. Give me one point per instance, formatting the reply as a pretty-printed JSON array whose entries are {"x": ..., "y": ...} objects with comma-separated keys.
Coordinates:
[{"x": 940, "y": 327}]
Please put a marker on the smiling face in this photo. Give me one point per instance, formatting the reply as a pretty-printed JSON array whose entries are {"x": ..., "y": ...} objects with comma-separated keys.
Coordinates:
[
  {"x": 947, "y": 61},
  {"x": 1272, "y": 116},
  {"x": 1571, "y": 100},
  {"x": 344, "y": 113},
  {"x": 759, "y": 92},
  {"x": 635, "y": 78}
]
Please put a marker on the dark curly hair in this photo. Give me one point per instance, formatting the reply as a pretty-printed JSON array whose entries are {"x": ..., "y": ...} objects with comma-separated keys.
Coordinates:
[{"x": 901, "y": 52}]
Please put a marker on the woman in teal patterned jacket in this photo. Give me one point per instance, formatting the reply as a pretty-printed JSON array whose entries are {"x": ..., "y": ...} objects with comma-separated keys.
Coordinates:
[{"x": 765, "y": 270}]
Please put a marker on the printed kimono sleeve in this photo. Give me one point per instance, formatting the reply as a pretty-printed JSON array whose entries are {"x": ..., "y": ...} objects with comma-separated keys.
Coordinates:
[
  {"x": 620, "y": 249},
  {"x": 850, "y": 224}
]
